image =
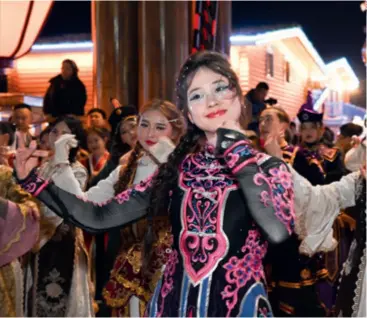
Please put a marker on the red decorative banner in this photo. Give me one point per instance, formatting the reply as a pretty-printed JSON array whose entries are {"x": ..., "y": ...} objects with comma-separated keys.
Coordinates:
[{"x": 205, "y": 25}]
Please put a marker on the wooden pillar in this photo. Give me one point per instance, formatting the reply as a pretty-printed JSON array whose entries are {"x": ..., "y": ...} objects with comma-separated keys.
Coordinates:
[
  {"x": 224, "y": 27},
  {"x": 140, "y": 46},
  {"x": 163, "y": 47},
  {"x": 115, "y": 70}
]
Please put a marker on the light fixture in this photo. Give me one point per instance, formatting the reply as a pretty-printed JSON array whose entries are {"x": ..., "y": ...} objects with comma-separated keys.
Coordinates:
[{"x": 20, "y": 24}]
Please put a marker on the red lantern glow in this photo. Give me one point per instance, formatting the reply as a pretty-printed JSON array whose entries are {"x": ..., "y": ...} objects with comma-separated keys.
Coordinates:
[{"x": 20, "y": 24}]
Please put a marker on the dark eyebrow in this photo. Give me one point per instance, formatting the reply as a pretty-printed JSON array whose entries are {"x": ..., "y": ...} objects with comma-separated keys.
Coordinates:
[{"x": 215, "y": 82}]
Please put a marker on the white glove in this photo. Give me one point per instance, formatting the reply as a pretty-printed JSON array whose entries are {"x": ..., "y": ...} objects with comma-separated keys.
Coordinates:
[
  {"x": 162, "y": 149},
  {"x": 63, "y": 145}
]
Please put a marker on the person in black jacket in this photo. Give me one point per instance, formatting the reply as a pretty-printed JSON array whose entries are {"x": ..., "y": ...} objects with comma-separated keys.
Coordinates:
[{"x": 66, "y": 94}]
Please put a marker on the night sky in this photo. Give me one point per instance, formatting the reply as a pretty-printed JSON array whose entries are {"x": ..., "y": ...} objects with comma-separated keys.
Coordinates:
[{"x": 334, "y": 27}]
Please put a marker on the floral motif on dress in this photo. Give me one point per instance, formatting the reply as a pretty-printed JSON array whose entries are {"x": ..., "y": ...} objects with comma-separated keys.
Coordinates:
[
  {"x": 241, "y": 270},
  {"x": 52, "y": 301},
  {"x": 239, "y": 150},
  {"x": 140, "y": 187},
  {"x": 203, "y": 242},
  {"x": 280, "y": 194},
  {"x": 167, "y": 284}
]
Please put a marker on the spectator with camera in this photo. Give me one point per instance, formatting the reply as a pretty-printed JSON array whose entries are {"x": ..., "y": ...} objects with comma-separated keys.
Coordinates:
[{"x": 255, "y": 104}]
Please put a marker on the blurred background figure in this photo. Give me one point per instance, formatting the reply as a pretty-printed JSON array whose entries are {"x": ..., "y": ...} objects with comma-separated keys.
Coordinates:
[
  {"x": 66, "y": 94},
  {"x": 97, "y": 118},
  {"x": 22, "y": 119},
  {"x": 255, "y": 104},
  {"x": 346, "y": 132}
]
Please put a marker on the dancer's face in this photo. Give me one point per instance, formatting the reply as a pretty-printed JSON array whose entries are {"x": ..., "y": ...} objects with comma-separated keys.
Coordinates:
[
  {"x": 152, "y": 126},
  {"x": 56, "y": 132},
  {"x": 211, "y": 101}
]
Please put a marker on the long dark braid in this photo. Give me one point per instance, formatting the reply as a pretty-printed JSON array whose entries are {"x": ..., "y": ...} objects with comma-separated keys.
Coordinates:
[{"x": 127, "y": 172}]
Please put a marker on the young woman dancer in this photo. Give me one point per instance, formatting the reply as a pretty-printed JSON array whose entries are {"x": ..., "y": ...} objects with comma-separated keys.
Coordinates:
[
  {"x": 158, "y": 119},
  {"x": 60, "y": 266},
  {"x": 224, "y": 201}
]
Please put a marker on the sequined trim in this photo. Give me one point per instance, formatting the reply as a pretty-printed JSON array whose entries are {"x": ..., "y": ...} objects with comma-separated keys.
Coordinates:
[{"x": 358, "y": 289}]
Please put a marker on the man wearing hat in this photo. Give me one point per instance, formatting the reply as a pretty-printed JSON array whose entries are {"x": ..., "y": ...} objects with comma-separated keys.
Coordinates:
[{"x": 330, "y": 161}]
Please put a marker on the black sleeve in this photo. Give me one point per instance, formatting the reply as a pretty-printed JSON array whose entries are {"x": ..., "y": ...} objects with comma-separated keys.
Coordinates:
[
  {"x": 310, "y": 171},
  {"x": 127, "y": 207},
  {"x": 335, "y": 170},
  {"x": 265, "y": 182},
  {"x": 47, "y": 102},
  {"x": 80, "y": 96}
]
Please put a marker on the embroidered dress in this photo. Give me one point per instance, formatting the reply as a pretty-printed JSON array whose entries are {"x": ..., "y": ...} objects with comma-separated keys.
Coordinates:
[
  {"x": 292, "y": 276},
  {"x": 60, "y": 284},
  {"x": 224, "y": 210},
  {"x": 351, "y": 299},
  {"x": 127, "y": 291},
  {"x": 18, "y": 233}
]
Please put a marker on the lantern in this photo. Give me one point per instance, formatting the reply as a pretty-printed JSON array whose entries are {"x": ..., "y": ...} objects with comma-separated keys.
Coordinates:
[{"x": 20, "y": 24}]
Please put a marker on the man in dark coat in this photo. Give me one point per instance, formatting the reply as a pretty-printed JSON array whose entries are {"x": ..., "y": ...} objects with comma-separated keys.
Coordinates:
[{"x": 66, "y": 94}]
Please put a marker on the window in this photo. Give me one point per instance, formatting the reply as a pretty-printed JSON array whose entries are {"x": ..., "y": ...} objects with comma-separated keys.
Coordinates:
[
  {"x": 269, "y": 64},
  {"x": 287, "y": 71}
]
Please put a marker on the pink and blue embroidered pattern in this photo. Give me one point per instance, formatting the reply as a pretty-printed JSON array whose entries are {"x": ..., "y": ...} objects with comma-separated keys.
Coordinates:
[
  {"x": 280, "y": 193},
  {"x": 34, "y": 184},
  {"x": 279, "y": 180},
  {"x": 140, "y": 187},
  {"x": 168, "y": 280},
  {"x": 241, "y": 271},
  {"x": 240, "y": 150},
  {"x": 202, "y": 241}
]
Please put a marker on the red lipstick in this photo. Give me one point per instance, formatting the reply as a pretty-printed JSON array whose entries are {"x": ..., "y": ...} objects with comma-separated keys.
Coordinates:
[
  {"x": 150, "y": 142},
  {"x": 217, "y": 113}
]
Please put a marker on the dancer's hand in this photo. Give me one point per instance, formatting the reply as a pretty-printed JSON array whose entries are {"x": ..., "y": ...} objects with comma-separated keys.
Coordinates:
[
  {"x": 63, "y": 145},
  {"x": 162, "y": 149},
  {"x": 356, "y": 141},
  {"x": 228, "y": 124},
  {"x": 272, "y": 146}
]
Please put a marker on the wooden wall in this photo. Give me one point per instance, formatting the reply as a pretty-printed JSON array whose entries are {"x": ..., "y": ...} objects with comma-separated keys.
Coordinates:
[{"x": 252, "y": 70}]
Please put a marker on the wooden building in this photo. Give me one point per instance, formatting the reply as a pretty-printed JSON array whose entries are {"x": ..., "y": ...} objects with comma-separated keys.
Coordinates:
[{"x": 286, "y": 59}]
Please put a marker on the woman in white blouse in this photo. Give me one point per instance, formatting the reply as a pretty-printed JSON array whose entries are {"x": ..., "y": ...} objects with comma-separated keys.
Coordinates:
[{"x": 160, "y": 127}]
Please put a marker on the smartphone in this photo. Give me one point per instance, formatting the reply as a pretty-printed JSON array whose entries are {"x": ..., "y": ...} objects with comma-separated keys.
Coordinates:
[{"x": 162, "y": 149}]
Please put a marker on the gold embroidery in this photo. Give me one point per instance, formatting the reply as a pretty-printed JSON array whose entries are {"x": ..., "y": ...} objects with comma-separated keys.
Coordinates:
[
  {"x": 7, "y": 291},
  {"x": 298, "y": 285},
  {"x": 134, "y": 259},
  {"x": 330, "y": 154},
  {"x": 286, "y": 308},
  {"x": 13, "y": 192},
  {"x": 16, "y": 237}
]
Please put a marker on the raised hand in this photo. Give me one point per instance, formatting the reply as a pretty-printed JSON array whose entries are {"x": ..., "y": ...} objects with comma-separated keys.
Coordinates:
[
  {"x": 162, "y": 149},
  {"x": 63, "y": 145},
  {"x": 356, "y": 141},
  {"x": 272, "y": 146},
  {"x": 229, "y": 124},
  {"x": 24, "y": 162}
]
